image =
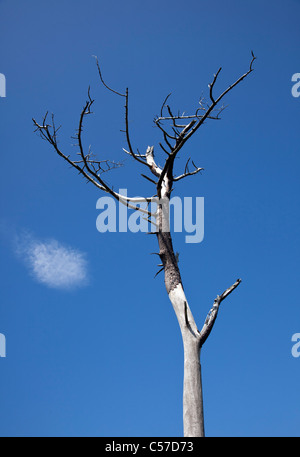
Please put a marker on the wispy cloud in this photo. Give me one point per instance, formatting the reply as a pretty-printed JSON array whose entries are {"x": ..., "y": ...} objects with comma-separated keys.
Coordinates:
[{"x": 51, "y": 263}]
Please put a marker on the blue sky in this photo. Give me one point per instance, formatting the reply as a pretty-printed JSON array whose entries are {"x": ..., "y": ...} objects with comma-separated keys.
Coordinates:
[{"x": 93, "y": 346}]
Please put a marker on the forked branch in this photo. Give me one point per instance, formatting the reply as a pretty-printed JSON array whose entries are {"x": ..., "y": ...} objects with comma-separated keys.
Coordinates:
[
  {"x": 212, "y": 315},
  {"x": 180, "y": 137},
  {"x": 87, "y": 166},
  {"x": 182, "y": 128}
]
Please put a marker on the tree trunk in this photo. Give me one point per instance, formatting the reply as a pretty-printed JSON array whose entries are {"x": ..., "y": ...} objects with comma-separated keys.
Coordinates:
[
  {"x": 193, "y": 421},
  {"x": 193, "y": 417}
]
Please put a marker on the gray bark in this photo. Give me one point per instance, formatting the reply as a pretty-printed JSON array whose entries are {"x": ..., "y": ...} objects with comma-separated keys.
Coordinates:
[
  {"x": 193, "y": 413},
  {"x": 193, "y": 416},
  {"x": 192, "y": 338}
]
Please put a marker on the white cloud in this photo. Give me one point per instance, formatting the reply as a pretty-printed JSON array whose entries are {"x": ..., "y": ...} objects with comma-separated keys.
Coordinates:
[{"x": 52, "y": 263}]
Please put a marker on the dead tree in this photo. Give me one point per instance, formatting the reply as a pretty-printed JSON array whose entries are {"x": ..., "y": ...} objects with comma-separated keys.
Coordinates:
[{"x": 176, "y": 130}]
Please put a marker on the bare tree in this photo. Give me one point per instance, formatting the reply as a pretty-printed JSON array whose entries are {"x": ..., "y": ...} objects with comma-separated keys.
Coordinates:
[{"x": 176, "y": 130}]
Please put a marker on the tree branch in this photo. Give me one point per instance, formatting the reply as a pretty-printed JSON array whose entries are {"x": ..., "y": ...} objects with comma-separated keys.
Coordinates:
[
  {"x": 155, "y": 169},
  {"x": 104, "y": 84},
  {"x": 92, "y": 169},
  {"x": 184, "y": 175},
  {"x": 188, "y": 130},
  {"x": 85, "y": 166},
  {"x": 137, "y": 157},
  {"x": 212, "y": 315}
]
